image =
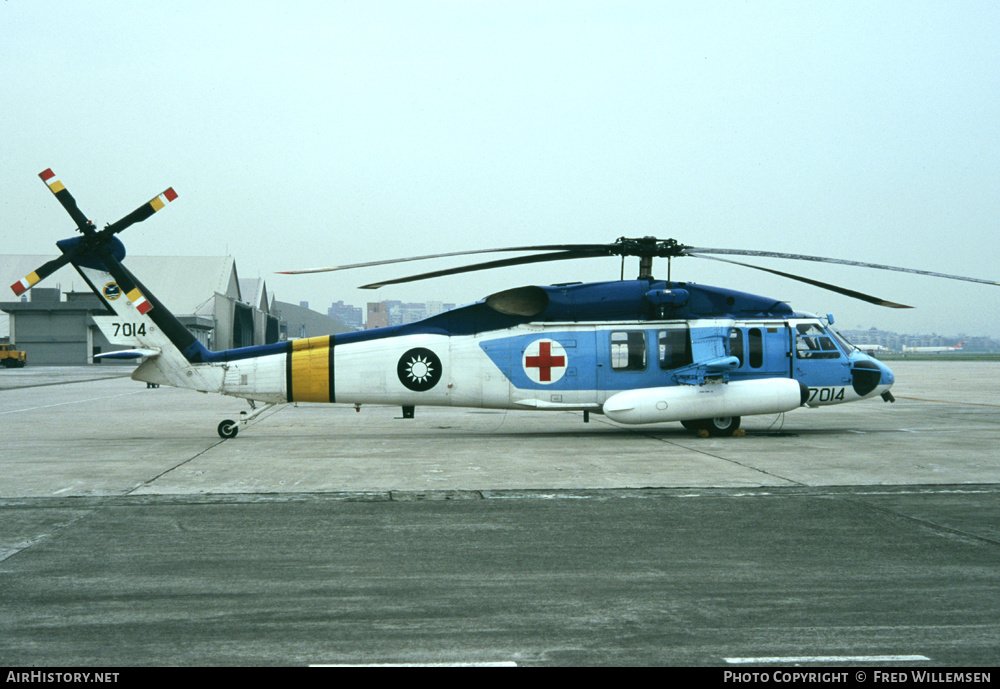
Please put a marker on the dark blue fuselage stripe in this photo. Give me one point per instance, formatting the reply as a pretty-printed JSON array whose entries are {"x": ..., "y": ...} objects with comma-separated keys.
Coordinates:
[{"x": 333, "y": 393}]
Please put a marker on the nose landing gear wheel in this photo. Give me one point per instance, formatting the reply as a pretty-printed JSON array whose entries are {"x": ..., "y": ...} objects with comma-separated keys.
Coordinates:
[
  {"x": 228, "y": 429},
  {"x": 722, "y": 425}
]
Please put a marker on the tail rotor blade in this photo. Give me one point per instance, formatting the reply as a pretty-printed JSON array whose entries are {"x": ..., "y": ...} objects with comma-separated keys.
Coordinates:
[
  {"x": 142, "y": 212},
  {"x": 39, "y": 274},
  {"x": 125, "y": 282},
  {"x": 94, "y": 242},
  {"x": 66, "y": 199},
  {"x": 100, "y": 250}
]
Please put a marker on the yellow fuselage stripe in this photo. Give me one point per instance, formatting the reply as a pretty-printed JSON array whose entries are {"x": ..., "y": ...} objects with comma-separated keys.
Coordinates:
[{"x": 310, "y": 370}]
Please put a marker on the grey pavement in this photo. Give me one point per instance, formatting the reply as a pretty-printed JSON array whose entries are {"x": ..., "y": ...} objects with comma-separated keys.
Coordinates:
[{"x": 131, "y": 534}]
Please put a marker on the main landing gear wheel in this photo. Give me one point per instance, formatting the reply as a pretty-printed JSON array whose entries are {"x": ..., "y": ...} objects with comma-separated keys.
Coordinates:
[
  {"x": 228, "y": 429},
  {"x": 718, "y": 427}
]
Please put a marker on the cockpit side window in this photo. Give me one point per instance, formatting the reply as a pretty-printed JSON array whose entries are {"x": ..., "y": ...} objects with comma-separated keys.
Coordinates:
[{"x": 812, "y": 342}]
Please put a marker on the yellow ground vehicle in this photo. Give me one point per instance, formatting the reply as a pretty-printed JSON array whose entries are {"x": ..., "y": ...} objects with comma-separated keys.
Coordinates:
[{"x": 12, "y": 358}]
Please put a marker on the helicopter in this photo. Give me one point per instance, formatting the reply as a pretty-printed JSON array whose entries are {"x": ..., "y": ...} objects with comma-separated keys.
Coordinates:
[{"x": 637, "y": 351}]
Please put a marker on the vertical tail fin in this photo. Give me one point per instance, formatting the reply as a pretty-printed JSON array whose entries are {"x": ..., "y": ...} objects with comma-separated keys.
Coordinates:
[{"x": 147, "y": 328}]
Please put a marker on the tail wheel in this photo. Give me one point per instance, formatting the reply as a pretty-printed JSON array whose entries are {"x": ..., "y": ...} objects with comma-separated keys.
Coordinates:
[{"x": 228, "y": 429}]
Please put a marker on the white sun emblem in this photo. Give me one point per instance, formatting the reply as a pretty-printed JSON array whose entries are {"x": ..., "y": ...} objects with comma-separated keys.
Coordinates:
[{"x": 419, "y": 369}]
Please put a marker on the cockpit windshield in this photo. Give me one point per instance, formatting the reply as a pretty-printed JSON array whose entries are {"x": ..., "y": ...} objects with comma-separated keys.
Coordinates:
[{"x": 844, "y": 344}]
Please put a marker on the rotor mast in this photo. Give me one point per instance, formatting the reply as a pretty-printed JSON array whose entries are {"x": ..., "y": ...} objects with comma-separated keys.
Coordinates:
[
  {"x": 645, "y": 249},
  {"x": 645, "y": 267}
]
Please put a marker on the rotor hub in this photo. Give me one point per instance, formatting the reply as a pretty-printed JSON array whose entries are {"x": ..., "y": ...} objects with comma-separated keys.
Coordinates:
[{"x": 648, "y": 247}]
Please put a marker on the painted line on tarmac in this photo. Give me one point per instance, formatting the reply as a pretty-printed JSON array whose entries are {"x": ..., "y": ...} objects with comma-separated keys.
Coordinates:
[
  {"x": 62, "y": 404},
  {"x": 787, "y": 660},
  {"x": 971, "y": 404},
  {"x": 500, "y": 663},
  {"x": 62, "y": 382}
]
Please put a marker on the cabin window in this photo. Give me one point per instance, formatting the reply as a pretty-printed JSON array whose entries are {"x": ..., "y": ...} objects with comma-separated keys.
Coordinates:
[
  {"x": 674, "y": 347},
  {"x": 812, "y": 342},
  {"x": 628, "y": 350},
  {"x": 736, "y": 344},
  {"x": 756, "y": 341}
]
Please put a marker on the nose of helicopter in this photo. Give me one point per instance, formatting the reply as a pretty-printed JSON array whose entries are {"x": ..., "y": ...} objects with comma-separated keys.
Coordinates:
[
  {"x": 870, "y": 376},
  {"x": 888, "y": 377}
]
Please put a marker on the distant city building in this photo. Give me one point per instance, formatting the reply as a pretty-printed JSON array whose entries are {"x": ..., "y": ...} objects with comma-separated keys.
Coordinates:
[
  {"x": 378, "y": 315},
  {"x": 393, "y": 312},
  {"x": 412, "y": 312},
  {"x": 351, "y": 316}
]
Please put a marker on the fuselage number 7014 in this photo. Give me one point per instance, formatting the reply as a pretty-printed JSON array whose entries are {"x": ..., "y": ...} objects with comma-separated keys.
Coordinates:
[{"x": 826, "y": 394}]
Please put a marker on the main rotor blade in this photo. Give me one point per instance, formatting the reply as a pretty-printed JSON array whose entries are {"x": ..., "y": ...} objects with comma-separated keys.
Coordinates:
[
  {"x": 546, "y": 247},
  {"x": 501, "y": 263},
  {"x": 66, "y": 199},
  {"x": 692, "y": 251},
  {"x": 816, "y": 283},
  {"x": 142, "y": 212}
]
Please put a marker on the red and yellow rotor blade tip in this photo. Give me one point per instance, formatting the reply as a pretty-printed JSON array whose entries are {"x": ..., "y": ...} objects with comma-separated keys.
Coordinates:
[
  {"x": 51, "y": 181},
  {"x": 163, "y": 199},
  {"x": 25, "y": 283}
]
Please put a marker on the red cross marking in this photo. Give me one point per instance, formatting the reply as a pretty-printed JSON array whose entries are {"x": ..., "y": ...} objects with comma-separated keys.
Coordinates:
[{"x": 545, "y": 362}]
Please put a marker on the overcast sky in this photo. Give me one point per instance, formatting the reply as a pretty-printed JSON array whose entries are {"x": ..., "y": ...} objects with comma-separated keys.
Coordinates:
[{"x": 302, "y": 134}]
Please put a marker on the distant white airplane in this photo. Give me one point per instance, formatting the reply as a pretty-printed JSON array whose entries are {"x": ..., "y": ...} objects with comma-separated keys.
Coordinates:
[{"x": 931, "y": 350}]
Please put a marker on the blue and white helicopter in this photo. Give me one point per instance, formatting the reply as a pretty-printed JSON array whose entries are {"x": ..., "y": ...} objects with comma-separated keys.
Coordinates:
[{"x": 638, "y": 351}]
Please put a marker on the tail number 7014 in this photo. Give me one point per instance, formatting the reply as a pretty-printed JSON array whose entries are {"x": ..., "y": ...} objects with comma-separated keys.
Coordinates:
[{"x": 129, "y": 329}]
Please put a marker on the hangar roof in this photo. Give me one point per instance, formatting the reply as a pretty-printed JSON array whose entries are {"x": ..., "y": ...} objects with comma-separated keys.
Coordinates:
[{"x": 253, "y": 291}]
